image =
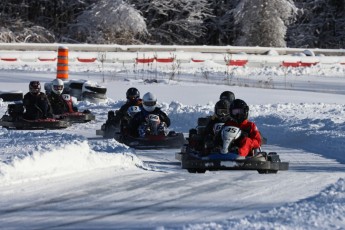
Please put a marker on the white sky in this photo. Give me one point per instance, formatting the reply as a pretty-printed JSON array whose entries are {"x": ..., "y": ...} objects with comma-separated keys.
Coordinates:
[{"x": 62, "y": 180}]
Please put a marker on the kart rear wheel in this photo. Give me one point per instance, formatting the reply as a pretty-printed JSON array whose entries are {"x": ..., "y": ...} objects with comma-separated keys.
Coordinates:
[
  {"x": 191, "y": 170},
  {"x": 196, "y": 170},
  {"x": 201, "y": 170},
  {"x": 267, "y": 171},
  {"x": 11, "y": 96}
]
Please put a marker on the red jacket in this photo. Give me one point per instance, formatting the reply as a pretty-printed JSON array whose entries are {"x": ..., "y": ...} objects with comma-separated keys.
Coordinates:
[{"x": 251, "y": 139}]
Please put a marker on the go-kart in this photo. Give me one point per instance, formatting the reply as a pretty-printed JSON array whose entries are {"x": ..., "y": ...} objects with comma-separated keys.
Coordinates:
[
  {"x": 76, "y": 117},
  {"x": 151, "y": 139},
  {"x": 225, "y": 157},
  {"x": 14, "y": 119}
]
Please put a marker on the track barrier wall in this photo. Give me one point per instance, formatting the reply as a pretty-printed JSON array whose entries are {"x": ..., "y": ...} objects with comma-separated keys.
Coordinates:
[{"x": 246, "y": 56}]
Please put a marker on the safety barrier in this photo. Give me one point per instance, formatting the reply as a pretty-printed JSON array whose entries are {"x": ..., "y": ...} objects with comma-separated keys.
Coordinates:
[
  {"x": 86, "y": 59},
  {"x": 64, "y": 56},
  {"x": 144, "y": 60},
  {"x": 46, "y": 59},
  {"x": 161, "y": 48},
  {"x": 9, "y": 59}
]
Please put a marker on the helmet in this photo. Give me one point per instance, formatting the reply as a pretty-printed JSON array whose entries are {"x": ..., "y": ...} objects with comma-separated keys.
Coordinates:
[
  {"x": 132, "y": 94},
  {"x": 227, "y": 95},
  {"x": 221, "y": 110},
  {"x": 57, "y": 86},
  {"x": 239, "y": 110},
  {"x": 34, "y": 87},
  {"x": 149, "y": 102}
]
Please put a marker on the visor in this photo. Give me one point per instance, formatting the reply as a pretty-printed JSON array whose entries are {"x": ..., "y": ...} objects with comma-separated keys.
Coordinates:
[
  {"x": 34, "y": 84},
  {"x": 132, "y": 97},
  {"x": 237, "y": 111},
  {"x": 58, "y": 87},
  {"x": 35, "y": 90},
  {"x": 149, "y": 103},
  {"x": 222, "y": 112}
]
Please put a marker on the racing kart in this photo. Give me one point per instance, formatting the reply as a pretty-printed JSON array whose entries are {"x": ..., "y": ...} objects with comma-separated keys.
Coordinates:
[
  {"x": 203, "y": 121},
  {"x": 72, "y": 115},
  {"x": 76, "y": 117},
  {"x": 171, "y": 140},
  {"x": 225, "y": 157},
  {"x": 152, "y": 139},
  {"x": 13, "y": 119},
  {"x": 82, "y": 90},
  {"x": 262, "y": 162}
]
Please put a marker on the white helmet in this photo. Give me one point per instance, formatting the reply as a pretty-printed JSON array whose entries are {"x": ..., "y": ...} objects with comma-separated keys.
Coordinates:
[
  {"x": 57, "y": 86},
  {"x": 149, "y": 102}
]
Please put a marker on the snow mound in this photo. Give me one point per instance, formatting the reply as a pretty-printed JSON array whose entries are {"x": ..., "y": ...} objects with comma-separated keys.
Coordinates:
[
  {"x": 323, "y": 211},
  {"x": 54, "y": 154}
]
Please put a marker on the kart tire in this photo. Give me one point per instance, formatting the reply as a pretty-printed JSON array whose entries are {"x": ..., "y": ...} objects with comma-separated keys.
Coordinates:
[
  {"x": 196, "y": 170},
  {"x": 267, "y": 171},
  {"x": 11, "y": 96}
]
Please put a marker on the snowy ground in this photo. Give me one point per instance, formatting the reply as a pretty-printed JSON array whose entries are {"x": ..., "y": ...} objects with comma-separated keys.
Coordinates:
[{"x": 63, "y": 180}]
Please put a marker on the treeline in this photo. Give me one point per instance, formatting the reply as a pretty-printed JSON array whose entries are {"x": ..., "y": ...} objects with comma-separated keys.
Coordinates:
[{"x": 272, "y": 23}]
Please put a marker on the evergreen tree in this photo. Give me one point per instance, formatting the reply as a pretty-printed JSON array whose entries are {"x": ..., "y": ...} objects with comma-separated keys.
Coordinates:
[
  {"x": 39, "y": 20},
  {"x": 263, "y": 22},
  {"x": 220, "y": 26},
  {"x": 321, "y": 24},
  {"x": 174, "y": 21},
  {"x": 109, "y": 22}
]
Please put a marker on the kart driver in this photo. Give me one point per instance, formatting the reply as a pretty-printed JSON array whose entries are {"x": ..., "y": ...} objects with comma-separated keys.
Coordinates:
[
  {"x": 36, "y": 103},
  {"x": 60, "y": 103},
  {"x": 250, "y": 136},
  {"x": 139, "y": 125}
]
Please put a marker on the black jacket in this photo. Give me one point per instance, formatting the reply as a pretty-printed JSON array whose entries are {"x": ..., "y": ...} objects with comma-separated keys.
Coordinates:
[
  {"x": 140, "y": 118},
  {"x": 59, "y": 105},
  {"x": 122, "y": 112},
  {"x": 36, "y": 106},
  {"x": 209, "y": 134}
]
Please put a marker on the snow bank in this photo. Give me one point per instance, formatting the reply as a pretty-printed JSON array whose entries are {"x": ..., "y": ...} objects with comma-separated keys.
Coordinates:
[
  {"x": 323, "y": 211},
  {"x": 50, "y": 154},
  {"x": 314, "y": 127}
]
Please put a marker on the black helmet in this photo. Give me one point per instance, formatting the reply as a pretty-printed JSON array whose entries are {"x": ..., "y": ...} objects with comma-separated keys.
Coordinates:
[
  {"x": 221, "y": 110},
  {"x": 34, "y": 87},
  {"x": 132, "y": 94},
  {"x": 239, "y": 110},
  {"x": 227, "y": 95}
]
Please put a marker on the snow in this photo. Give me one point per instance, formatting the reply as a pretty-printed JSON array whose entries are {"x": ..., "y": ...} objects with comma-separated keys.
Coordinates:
[{"x": 70, "y": 179}]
